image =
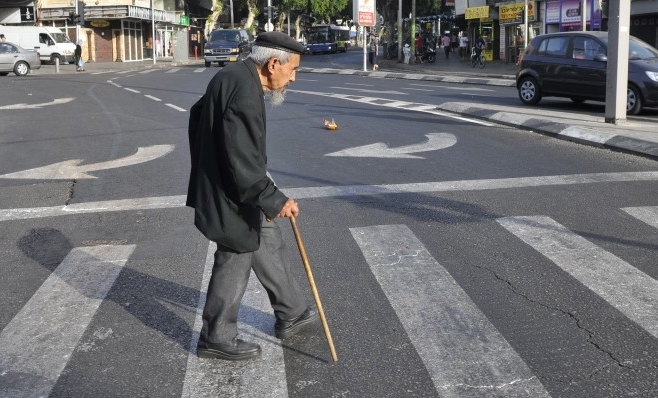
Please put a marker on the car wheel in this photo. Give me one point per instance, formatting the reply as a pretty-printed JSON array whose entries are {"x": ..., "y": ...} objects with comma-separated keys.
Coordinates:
[
  {"x": 221, "y": 64},
  {"x": 21, "y": 68},
  {"x": 207, "y": 64},
  {"x": 633, "y": 100},
  {"x": 529, "y": 91},
  {"x": 54, "y": 58}
]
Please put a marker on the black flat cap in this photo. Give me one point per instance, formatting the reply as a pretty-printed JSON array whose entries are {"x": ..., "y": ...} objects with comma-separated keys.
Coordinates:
[{"x": 280, "y": 41}]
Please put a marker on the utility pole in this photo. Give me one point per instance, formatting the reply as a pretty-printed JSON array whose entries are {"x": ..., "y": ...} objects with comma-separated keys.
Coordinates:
[
  {"x": 619, "y": 21},
  {"x": 583, "y": 14},
  {"x": 153, "y": 30},
  {"x": 77, "y": 25},
  {"x": 399, "y": 31},
  {"x": 413, "y": 29}
]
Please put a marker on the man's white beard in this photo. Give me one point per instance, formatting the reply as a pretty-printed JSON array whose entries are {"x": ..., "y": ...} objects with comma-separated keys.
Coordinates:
[{"x": 277, "y": 97}]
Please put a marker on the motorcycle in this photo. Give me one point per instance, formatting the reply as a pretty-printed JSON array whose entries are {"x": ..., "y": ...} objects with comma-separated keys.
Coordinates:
[{"x": 428, "y": 55}]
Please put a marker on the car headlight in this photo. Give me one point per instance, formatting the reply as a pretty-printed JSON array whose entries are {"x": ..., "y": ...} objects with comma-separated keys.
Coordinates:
[
  {"x": 206, "y": 51},
  {"x": 652, "y": 75}
]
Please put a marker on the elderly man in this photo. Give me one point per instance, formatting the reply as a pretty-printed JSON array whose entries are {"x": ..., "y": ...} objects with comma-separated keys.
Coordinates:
[{"x": 235, "y": 200}]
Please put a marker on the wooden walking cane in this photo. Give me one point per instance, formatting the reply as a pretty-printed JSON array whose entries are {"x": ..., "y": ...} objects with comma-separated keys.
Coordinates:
[{"x": 316, "y": 296}]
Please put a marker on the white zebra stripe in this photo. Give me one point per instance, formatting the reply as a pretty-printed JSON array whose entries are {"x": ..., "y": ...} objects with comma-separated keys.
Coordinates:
[
  {"x": 463, "y": 352},
  {"x": 629, "y": 290}
]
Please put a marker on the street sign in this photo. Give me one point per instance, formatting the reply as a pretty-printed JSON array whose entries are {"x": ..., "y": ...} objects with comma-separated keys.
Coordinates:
[{"x": 365, "y": 12}]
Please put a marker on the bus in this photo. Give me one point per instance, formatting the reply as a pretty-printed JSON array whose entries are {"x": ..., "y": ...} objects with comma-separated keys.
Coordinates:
[{"x": 328, "y": 38}]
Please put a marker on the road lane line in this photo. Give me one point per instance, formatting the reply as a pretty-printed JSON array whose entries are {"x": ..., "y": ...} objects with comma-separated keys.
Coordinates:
[
  {"x": 39, "y": 341},
  {"x": 132, "y": 90},
  {"x": 265, "y": 377},
  {"x": 176, "y": 108},
  {"x": 163, "y": 202},
  {"x": 648, "y": 214},
  {"x": 463, "y": 352},
  {"x": 173, "y": 70},
  {"x": 152, "y": 97},
  {"x": 629, "y": 290},
  {"x": 413, "y": 106}
]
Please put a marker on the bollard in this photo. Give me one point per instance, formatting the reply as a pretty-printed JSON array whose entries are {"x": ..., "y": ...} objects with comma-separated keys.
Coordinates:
[{"x": 57, "y": 65}]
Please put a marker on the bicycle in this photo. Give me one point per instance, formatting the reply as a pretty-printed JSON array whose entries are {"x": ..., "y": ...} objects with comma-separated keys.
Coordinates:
[{"x": 477, "y": 59}]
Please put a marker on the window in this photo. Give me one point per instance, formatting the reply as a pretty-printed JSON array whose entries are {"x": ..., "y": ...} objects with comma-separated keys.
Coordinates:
[
  {"x": 554, "y": 47},
  {"x": 586, "y": 48}
]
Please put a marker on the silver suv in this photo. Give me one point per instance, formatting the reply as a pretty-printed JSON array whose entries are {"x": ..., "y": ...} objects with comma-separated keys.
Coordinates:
[{"x": 227, "y": 45}]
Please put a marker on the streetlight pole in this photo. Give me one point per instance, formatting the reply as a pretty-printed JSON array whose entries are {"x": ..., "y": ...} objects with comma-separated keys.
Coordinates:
[
  {"x": 525, "y": 20},
  {"x": 153, "y": 30}
]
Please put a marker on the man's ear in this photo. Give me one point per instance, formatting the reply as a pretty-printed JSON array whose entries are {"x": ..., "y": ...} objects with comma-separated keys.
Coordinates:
[{"x": 271, "y": 65}]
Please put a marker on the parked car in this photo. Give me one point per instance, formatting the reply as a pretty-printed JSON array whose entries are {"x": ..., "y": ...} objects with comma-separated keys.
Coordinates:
[
  {"x": 227, "y": 45},
  {"x": 574, "y": 65},
  {"x": 14, "y": 58}
]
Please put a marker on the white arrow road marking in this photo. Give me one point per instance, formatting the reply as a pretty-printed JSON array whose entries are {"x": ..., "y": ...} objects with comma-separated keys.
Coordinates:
[
  {"x": 56, "y": 101},
  {"x": 409, "y": 106},
  {"x": 39, "y": 341},
  {"x": 629, "y": 290},
  {"x": 70, "y": 169},
  {"x": 435, "y": 141},
  {"x": 463, "y": 352},
  {"x": 265, "y": 377}
]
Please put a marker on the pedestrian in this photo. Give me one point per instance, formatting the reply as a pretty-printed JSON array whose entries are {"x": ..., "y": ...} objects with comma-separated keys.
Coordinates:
[
  {"x": 2, "y": 38},
  {"x": 418, "y": 42},
  {"x": 373, "y": 50},
  {"x": 463, "y": 45},
  {"x": 79, "y": 63},
  {"x": 235, "y": 201},
  {"x": 446, "y": 45},
  {"x": 407, "y": 53}
]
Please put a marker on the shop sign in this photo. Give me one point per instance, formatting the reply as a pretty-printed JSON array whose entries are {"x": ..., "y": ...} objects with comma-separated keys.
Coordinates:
[
  {"x": 477, "y": 12},
  {"x": 513, "y": 13},
  {"x": 184, "y": 20},
  {"x": 99, "y": 23}
]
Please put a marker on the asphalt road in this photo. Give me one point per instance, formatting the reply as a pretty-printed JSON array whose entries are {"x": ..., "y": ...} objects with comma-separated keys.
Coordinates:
[{"x": 454, "y": 257}]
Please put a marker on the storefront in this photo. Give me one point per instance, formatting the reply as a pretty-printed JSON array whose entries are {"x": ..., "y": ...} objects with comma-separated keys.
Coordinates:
[
  {"x": 480, "y": 24},
  {"x": 118, "y": 33},
  {"x": 513, "y": 29},
  {"x": 566, "y": 15}
]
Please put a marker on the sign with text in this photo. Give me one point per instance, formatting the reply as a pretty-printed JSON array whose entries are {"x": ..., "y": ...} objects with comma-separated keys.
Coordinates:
[
  {"x": 513, "y": 13},
  {"x": 364, "y": 12},
  {"x": 477, "y": 12}
]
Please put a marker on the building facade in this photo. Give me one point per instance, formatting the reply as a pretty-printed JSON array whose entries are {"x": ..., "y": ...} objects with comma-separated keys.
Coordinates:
[
  {"x": 114, "y": 30},
  {"x": 503, "y": 26}
]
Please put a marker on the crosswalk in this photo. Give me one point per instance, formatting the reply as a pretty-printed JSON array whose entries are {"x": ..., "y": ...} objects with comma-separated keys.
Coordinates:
[{"x": 461, "y": 350}]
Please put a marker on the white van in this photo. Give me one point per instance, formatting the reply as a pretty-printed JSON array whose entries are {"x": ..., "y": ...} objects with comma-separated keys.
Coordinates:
[{"x": 50, "y": 42}]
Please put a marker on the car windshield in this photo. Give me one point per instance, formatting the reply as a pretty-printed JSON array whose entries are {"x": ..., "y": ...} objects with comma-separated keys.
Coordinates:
[
  {"x": 225, "y": 35},
  {"x": 61, "y": 38},
  {"x": 637, "y": 49}
]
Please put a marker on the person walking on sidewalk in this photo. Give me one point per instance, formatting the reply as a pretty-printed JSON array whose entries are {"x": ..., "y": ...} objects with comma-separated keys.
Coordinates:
[
  {"x": 463, "y": 46},
  {"x": 418, "y": 42},
  {"x": 446, "y": 45},
  {"x": 235, "y": 200},
  {"x": 79, "y": 63},
  {"x": 373, "y": 50}
]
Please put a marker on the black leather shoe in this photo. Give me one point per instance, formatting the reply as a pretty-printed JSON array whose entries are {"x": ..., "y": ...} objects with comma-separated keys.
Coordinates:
[
  {"x": 234, "y": 350},
  {"x": 289, "y": 328}
]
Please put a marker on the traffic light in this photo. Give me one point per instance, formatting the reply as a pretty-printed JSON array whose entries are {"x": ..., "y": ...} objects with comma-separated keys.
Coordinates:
[
  {"x": 81, "y": 13},
  {"x": 71, "y": 18}
]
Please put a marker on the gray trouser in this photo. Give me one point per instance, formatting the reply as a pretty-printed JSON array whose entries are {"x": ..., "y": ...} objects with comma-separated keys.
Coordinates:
[{"x": 228, "y": 283}]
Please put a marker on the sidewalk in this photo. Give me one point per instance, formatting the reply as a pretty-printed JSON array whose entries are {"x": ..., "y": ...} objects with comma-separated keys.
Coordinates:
[{"x": 638, "y": 136}]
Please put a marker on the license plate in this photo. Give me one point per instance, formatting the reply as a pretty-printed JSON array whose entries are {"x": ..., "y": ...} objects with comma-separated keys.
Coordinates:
[{"x": 232, "y": 59}]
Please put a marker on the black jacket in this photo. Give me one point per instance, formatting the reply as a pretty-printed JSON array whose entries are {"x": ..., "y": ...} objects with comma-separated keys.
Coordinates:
[{"x": 229, "y": 188}]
